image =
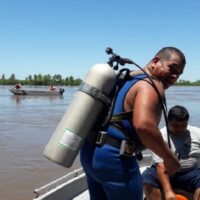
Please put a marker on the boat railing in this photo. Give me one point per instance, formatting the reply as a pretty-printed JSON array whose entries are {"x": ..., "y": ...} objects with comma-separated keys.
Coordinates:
[
  {"x": 65, "y": 188},
  {"x": 72, "y": 184}
]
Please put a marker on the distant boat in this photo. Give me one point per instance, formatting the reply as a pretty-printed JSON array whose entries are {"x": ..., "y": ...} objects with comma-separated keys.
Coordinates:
[{"x": 37, "y": 92}]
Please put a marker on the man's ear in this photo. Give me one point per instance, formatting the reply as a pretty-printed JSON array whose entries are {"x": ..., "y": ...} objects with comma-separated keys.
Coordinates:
[{"x": 155, "y": 59}]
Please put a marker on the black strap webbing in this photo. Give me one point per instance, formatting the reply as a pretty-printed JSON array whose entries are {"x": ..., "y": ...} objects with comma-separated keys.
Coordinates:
[
  {"x": 95, "y": 93},
  {"x": 121, "y": 116}
]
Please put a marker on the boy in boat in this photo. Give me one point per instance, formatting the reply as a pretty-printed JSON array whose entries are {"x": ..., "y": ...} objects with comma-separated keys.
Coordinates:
[{"x": 185, "y": 144}]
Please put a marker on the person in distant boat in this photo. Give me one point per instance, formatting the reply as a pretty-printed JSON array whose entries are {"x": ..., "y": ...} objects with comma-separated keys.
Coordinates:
[
  {"x": 61, "y": 90},
  {"x": 185, "y": 144},
  {"x": 109, "y": 160},
  {"x": 18, "y": 86},
  {"x": 52, "y": 87}
]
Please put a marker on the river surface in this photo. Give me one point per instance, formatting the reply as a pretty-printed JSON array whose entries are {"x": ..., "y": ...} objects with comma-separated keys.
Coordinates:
[{"x": 27, "y": 123}]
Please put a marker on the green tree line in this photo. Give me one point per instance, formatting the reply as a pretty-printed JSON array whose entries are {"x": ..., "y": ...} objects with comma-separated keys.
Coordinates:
[
  {"x": 57, "y": 79},
  {"x": 39, "y": 79},
  {"x": 188, "y": 83}
]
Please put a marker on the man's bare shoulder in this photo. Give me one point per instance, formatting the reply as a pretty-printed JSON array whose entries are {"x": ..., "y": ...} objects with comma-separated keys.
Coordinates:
[{"x": 149, "y": 86}]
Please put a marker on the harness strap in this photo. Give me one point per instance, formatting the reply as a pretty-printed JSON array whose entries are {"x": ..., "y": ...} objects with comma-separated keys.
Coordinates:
[
  {"x": 95, "y": 93},
  {"x": 121, "y": 116}
]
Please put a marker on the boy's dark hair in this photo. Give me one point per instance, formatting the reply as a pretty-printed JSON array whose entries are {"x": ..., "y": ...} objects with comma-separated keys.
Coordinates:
[{"x": 178, "y": 113}]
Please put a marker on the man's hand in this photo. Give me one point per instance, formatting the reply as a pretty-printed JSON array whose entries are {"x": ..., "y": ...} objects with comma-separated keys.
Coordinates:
[{"x": 172, "y": 165}]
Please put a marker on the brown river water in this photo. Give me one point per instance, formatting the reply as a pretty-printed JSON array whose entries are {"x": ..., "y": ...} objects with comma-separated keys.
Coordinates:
[{"x": 27, "y": 123}]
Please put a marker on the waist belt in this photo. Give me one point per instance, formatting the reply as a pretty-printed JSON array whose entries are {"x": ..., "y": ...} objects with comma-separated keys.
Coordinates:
[
  {"x": 126, "y": 148},
  {"x": 104, "y": 138}
]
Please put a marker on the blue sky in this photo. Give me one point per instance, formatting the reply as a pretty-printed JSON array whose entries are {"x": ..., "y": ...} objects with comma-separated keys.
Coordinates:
[{"x": 67, "y": 37}]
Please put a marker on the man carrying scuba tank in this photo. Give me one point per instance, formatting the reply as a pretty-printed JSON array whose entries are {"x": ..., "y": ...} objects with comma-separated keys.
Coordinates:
[{"x": 109, "y": 160}]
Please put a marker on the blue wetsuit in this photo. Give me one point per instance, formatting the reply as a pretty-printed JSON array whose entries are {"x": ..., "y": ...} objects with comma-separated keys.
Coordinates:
[{"x": 109, "y": 175}]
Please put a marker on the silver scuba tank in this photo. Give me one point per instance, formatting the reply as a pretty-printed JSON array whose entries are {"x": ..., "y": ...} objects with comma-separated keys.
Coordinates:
[{"x": 81, "y": 115}]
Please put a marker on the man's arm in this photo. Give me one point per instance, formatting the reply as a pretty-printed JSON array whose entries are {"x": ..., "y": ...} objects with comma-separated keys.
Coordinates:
[
  {"x": 165, "y": 182},
  {"x": 146, "y": 115}
]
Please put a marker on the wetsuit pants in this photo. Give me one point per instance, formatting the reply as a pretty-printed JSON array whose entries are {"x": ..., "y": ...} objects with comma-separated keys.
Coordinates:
[{"x": 110, "y": 176}]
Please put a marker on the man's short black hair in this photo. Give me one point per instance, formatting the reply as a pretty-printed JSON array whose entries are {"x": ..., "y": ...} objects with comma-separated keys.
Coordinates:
[
  {"x": 166, "y": 53},
  {"x": 178, "y": 113}
]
